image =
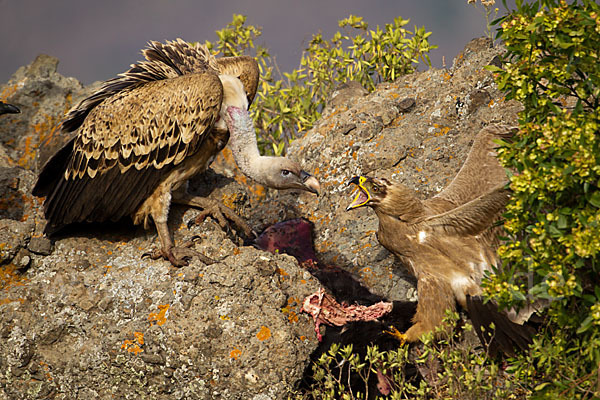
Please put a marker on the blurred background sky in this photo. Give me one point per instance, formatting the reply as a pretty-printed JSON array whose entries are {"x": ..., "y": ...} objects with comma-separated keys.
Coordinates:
[{"x": 95, "y": 40}]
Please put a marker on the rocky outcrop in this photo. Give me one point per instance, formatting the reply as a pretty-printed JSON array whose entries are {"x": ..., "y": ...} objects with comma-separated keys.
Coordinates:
[{"x": 85, "y": 316}]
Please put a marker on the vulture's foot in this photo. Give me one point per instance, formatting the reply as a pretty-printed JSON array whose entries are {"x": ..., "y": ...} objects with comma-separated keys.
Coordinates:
[
  {"x": 218, "y": 211},
  {"x": 179, "y": 256}
]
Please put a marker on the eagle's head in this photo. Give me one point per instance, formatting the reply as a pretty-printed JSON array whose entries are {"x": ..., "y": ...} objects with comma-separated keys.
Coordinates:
[
  {"x": 371, "y": 191},
  {"x": 385, "y": 197}
]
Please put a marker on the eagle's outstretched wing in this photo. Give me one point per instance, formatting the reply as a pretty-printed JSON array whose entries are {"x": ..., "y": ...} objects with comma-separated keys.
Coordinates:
[
  {"x": 473, "y": 217},
  {"x": 481, "y": 172}
]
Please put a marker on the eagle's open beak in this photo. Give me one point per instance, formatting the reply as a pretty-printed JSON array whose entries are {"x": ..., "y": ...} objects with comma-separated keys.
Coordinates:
[
  {"x": 310, "y": 182},
  {"x": 362, "y": 196}
]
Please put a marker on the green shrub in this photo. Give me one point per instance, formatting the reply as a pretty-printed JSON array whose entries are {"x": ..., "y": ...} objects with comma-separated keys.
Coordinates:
[
  {"x": 453, "y": 367},
  {"x": 288, "y": 103},
  {"x": 553, "y": 220}
]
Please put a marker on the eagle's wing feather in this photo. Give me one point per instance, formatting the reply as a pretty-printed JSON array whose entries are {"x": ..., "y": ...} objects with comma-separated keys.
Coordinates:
[
  {"x": 481, "y": 166},
  {"x": 473, "y": 217},
  {"x": 128, "y": 143}
]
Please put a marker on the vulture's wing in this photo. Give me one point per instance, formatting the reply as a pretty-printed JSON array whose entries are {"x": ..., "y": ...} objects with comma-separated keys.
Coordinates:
[
  {"x": 245, "y": 68},
  {"x": 126, "y": 145},
  {"x": 481, "y": 171},
  {"x": 163, "y": 61},
  {"x": 473, "y": 217}
]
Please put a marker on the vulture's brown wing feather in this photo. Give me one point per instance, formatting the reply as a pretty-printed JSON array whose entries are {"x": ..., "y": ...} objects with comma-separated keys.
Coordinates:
[
  {"x": 245, "y": 68},
  {"x": 481, "y": 171},
  {"x": 163, "y": 61},
  {"x": 128, "y": 143},
  {"x": 473, "y": 217}
]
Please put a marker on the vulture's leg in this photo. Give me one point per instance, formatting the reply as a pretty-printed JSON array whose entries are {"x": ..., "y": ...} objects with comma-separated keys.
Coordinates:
[
  {"x": 178, "y": 256},
  {"x": 214, "y": 208}
]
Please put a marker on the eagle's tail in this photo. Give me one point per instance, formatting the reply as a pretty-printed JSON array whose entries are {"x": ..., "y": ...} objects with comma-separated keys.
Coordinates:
[{"x": 506, "y": 336}]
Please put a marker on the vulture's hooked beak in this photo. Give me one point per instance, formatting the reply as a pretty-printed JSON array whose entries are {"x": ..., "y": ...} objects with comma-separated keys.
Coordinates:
[
  {"x": 6, "y": 108},
  {"x": 310, "y": 182},
  {"x": 362, "y": 196}
]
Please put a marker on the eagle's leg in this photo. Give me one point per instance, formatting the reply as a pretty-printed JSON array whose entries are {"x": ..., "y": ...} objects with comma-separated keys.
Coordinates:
[
  {"x": 214, "y": 208},
  {"x": 435, "y": 297}
]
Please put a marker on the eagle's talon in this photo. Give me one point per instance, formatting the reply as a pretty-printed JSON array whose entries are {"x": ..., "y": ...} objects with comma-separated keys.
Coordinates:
[{"x": 401, "y": 337}]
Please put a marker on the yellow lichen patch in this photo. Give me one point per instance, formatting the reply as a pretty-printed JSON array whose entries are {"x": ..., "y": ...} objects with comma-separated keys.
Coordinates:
[
  {"x": 43, "y": 130},
  {"x": 292, "y": 303},
  {"x": 282, "y": 272},
  {"x": 159, "y": 317},
  {"x": 292, "y": 317},
  {"x": 8, "y": 91},
  {"x": 10, "y": 277},
  {"x": 263, "y": 334},
  {"x": 235, "y": 353},
  {"x": 441, "y": 130},
  {"x": 6, "y": 301}
]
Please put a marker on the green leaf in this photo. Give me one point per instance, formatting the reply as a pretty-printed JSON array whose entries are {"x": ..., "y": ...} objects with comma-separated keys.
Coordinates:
[{"x": 594, "y": 199}]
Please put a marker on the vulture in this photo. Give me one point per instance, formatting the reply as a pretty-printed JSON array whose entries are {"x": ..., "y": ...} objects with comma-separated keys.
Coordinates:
[
  {"x": 448, "y": 242},
  {"x": 139, "y": 138},
  {"x": 6, "y": 108}
]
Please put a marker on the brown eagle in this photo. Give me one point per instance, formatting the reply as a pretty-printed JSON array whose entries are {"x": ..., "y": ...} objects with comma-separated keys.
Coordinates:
[
  {"x": 142, "y": 135},
  {"x": 449, "y": 241}
]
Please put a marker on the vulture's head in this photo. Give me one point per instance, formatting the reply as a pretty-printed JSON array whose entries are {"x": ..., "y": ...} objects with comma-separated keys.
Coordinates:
[
  {"x": 283, "y": 173},
  {"x": 274, "y": 172},
  {"x": 8, "y": 108},
  {"x": 370, "y": 191}
]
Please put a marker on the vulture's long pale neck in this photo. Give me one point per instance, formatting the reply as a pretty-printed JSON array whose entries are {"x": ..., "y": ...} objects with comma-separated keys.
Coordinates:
[{"x": 244, "y": 147}]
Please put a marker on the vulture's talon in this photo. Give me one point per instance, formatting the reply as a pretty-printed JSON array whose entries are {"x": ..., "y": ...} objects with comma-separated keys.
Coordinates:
[{"x": 221, "y": 214}]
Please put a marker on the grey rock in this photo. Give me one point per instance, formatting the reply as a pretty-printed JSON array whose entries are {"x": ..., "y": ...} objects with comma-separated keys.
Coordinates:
[
  {"x": 13, "y": 237},
  {"x": 406, "y": 105},
  {"x": 40, "y": 245}
]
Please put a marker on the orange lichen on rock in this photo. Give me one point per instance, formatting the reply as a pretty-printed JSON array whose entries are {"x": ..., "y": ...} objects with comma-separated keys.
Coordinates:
[
  {"x": 160, "y": 317},
  {"x": 263, "y": 334},
  {"x": 235, "y": 353},
  {"x": 134, "y": 346}
]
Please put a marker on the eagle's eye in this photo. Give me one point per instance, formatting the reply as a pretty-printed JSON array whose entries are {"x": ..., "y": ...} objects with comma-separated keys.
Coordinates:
[
  {"x": 375, "y": 188},
  {"x": 285, "y": 172}
]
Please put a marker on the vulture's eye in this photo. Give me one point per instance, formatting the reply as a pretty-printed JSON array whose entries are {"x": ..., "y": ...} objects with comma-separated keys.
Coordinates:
[{"x": 285, "y": 172}]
